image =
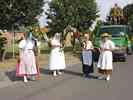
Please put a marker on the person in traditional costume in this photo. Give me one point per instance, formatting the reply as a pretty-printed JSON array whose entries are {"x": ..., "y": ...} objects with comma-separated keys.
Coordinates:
[
  {"x": 105, "y": 63},
  {"x": 116, "y": 14},
  {"x": 87, "y": 56},
  {"x": 27, "y": 65},
  {"x": 76, "y": 37},
  {"x": 57, "y": 59}
]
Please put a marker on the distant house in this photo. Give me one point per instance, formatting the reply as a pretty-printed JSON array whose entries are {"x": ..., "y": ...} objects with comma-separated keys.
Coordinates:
[{"x": 19, "y": 35}]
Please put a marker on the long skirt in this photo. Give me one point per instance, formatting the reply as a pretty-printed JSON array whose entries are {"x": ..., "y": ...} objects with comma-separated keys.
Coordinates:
[
  {"x": 27, "y": 66},
  {"x": 105, "y": 63},
  {"x": 87, "y": 62},
  {"x": 57, "y": 59}
]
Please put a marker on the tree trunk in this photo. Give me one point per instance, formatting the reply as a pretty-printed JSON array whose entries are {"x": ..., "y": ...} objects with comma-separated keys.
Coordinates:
[{"x": 3, "y": 55}]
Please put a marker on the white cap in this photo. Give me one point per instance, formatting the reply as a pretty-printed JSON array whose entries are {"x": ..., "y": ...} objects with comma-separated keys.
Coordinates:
[
  {"x": 57, "y": 36},
  {"x": 5, "y": 30},
  {"x": 122, "y": 33}
]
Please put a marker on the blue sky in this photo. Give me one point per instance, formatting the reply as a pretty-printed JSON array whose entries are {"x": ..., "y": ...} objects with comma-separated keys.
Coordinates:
[{"x": 103, "y": 6}]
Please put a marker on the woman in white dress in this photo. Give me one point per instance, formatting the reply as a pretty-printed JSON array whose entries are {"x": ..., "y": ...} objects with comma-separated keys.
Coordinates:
[
  {"x": 57, "y": 59},
  {"x": 27, "y": 64},
  {"x": 87, "y": 56},
  {"x": 105, "y": 63}
]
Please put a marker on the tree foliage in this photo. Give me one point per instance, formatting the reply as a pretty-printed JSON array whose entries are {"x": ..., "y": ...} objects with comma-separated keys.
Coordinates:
[
  {"x": 128, "y": 10},
  {"x": 19, "y": 12},
  {"x": 98, "y": 25},
  {"x": 77, "y": 13},
  {"x": 128, "y": 13}
]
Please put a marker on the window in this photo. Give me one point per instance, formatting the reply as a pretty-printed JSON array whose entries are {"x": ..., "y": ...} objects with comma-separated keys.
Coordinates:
[{"x": 114, "y": 31}]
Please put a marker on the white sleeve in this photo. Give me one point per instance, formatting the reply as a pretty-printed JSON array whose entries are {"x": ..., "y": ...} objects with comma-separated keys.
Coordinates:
[
  {"x": 91, "y": 45},
  {"x": 21, "y": 44},
  {"x": 112, "y": 45},
  {"x": 55, "y": 42},
  {"x": 52, "y": 42}
]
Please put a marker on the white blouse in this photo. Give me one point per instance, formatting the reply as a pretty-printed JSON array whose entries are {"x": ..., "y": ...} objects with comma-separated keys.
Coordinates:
[
  {"x": 24, "y": 44},
  {"x": 107, "y": 45},
  {"x": 55, "y": 42}
]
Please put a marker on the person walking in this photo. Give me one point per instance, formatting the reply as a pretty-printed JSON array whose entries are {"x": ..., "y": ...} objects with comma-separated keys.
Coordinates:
[
  {"x": 105, "y": 63},
  {"x": 26, "y": 66},
  {"x": 87, "y": 56},
  {"x": 57, "y": 59}
]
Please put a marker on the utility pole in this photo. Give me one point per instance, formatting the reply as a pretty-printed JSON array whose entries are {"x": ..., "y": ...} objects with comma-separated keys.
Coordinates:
[{"x": 13, "y": 41}]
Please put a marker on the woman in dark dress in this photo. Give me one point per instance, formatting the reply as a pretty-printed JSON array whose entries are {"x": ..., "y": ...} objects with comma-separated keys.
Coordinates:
[{"x": 87, "y": 56}]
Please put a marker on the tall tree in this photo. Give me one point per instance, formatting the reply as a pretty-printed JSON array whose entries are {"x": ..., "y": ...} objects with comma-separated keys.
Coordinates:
[
  {"x": 19, "y": 12},
  {"x": 128, "y": 10},
  {"x": 77, "y": 13},
  {"x": 128, "y": 13}
]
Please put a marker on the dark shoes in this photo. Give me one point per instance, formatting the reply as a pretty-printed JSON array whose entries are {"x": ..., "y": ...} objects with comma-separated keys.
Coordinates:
[{"x": 87, "y": 76}]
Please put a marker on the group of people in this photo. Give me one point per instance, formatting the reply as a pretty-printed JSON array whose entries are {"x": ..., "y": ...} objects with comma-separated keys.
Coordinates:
[
  {"x": 27, "y": 64},
  {"x": 116, "y": 15},
  {"x": 28, "y": 68},
  {"x": 105, "y": 62}
]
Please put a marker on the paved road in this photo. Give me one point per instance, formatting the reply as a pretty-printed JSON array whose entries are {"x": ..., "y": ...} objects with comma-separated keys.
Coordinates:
[{"x": 71, "y": 86}]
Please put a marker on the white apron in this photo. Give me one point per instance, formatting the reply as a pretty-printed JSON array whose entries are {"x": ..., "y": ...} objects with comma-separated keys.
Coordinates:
[
  {"x": 57, "y": 58},
  {"x": 106, "y": 59}
]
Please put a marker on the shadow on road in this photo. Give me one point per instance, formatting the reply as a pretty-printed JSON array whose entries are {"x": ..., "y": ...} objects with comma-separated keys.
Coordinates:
[
  {"x": 45, "y": 71},
  {"x": 79, "y": 74},
  {"x": 12, "y": 76},
  {"x": 73, "y": 73}
]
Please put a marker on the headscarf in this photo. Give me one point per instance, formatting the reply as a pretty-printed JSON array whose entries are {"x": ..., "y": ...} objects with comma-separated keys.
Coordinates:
[
  {"x": 29, "y": 36},
  {"x": 57, "y": 36}
]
